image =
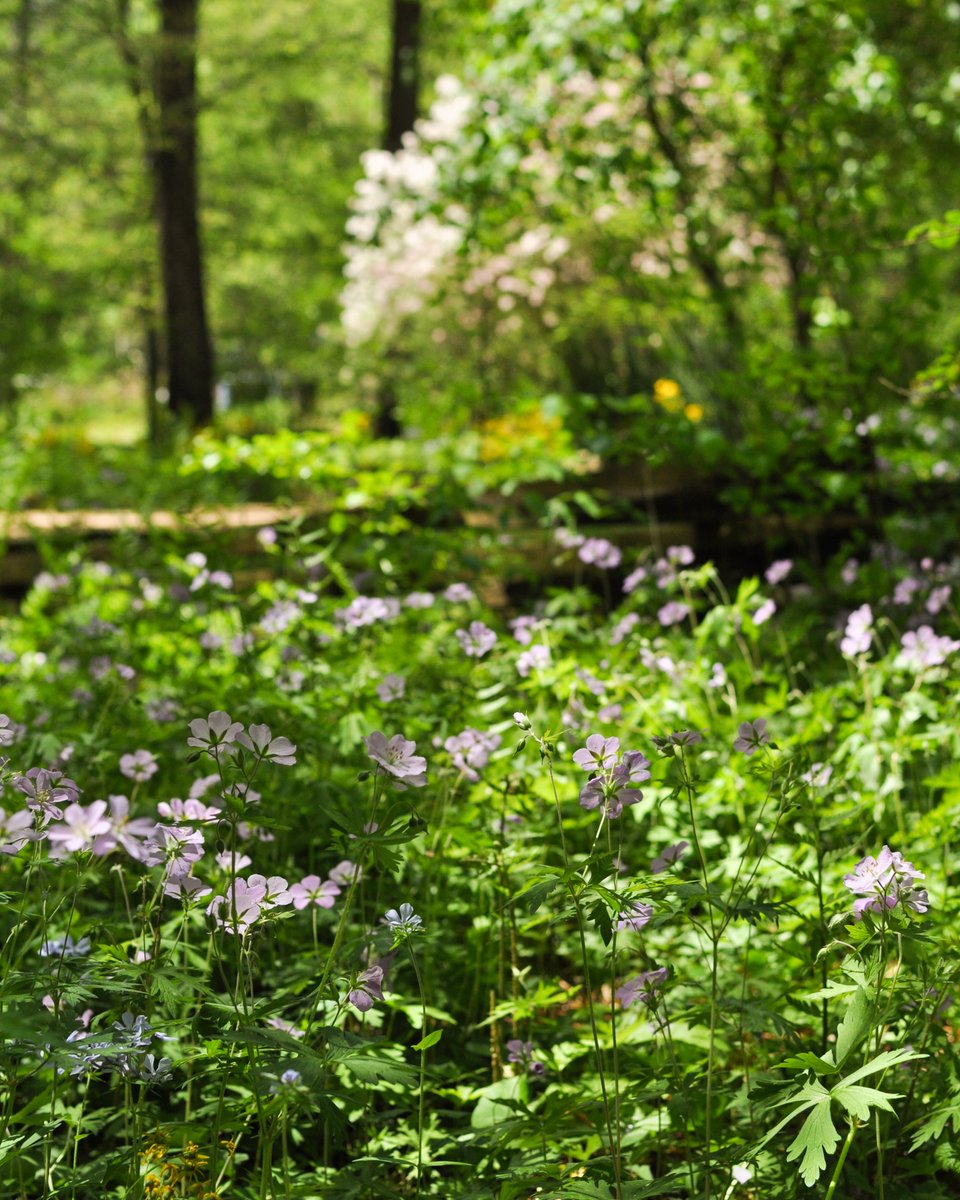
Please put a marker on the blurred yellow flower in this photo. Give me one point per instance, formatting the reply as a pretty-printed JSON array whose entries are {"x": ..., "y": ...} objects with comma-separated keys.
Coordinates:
[
  {"x": 665, "y": 390},
  {"x": 693, "y": 412}
]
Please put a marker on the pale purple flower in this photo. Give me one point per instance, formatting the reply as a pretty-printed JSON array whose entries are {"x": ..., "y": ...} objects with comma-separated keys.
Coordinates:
[
  {"x": 857, "y": 635},
  {"x": 240, "y": 908},
  {"x": 139, "y": 766},
  {"x": 922, "y": 649},
  {"x": 937, "y": 599},
  {"x": 398, "y": 759},
  {"x": 267, "y": 536},
  {"x": 6, "y": 731},
  {"x": 232, "y": 861},
  {"x": 778, "y": 571},
  {"x": 403, "y": 922},
  {"x": 176, "y": 847},
  {"x": 65, "y": 947},
  {"x": 568, "y": 538},
  {"x": 751, "y": 735},
  {"x": 278, "y": 750},
  {"x": 599, "y": 552},
  {"x": 369, "y": 987},
  {"x": 311, "y": 890},
  {"x": 666, "y": 857},
  {"x": 610, "y": 713},
  {"x": 16, "y": 830},
  {"x": 764, "y": 612},
  {"x": 849, "y": 571},
  {"x": 419, "y": 600},
  {"x": 162, "y": 710},
  {"x": 280, "y": 616},
  {"x": 192, "y": 810},
  {"x": 46, "y": 790},
  {"x": 471, "y": 750},
  {"x": 642, "y": 987},
  {"x": 633, "y": 581},
  {"x": 522, "y": 1053},
  {"x": 345, "y": 873},
  {"x": 885, "y": 881},
  {"x": 623, "y": 627},
  {"x": 681, "y": 556},
  {"x": 215, "y": 733},
  {"x": 476, "y": 640},
  {"x": 80, "y": 828},
  {"x": 634, "y": 917},
  {"x": 390, "y": 688},
  {"x": 367, "y": 610},
  {"x": 742, "y": 1172},
  {"x": 276, "y": 890},
  {"x": 523, "y": 628},
  {"x": 818, "y": 775},
  {"x": 458, "y": 593},
  {"x": 718, "y": 676},
  {"x": 599, "y": 754},
  {"x": 673, "y": 612},
  {"x": 590, "y": 681},
  {"x": 534, "y": 659},
  {"x": 904, "y": 592},
  {"x": 682, "y": 737},
  {"x": 210, "y": 640}
]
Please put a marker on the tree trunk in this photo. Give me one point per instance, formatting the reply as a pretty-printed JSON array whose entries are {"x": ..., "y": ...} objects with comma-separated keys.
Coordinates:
[
  {"x": 189, "y": 355},
  {"x": 403, "y": 87},
  {"x": 402, "y": 107}
]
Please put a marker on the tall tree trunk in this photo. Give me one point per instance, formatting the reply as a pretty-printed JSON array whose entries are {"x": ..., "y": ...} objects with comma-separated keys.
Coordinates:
[
  {"x": 403, "y": 86},
  {"x": 402, "y": 107},
  {"x": 189, "y": 355}
]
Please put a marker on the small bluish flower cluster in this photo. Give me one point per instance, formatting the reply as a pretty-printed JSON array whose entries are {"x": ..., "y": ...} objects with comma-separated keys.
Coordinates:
[{"x": 522, "y": 1053}]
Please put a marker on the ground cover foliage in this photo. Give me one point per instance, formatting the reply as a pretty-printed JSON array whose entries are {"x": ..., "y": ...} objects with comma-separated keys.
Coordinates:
[{"x": 336, "y": 882}]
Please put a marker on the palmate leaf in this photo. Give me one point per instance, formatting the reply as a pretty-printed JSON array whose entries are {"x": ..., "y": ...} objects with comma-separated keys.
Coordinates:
[
  {"x": 936, "y": 1122},
  {"x": 858, "y": 1100}
]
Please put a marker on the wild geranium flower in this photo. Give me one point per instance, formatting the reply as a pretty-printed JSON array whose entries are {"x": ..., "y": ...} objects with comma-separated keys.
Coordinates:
[
  {"x": 311, "y": 890},
  {"x": 367, "y": 610},
  {"x": 176, "y": 847},
  {"x": 138, "y": 766},
  {"x": 533, "y": 659},
  {"x": 458, "y": 593},
  {"x": 623, "y": 627},
  {"x": 751, "y": 735},
  {"x": 368, "y": 988},
  {"x": 403, "y": 922},
  {"x": 523, "y": 628},
  {"x": 922, "y": 648},
  {"x": 763, "y": 614},
  {"x": 599, "y": 552},
  {"x": 682, "y": 737},
  {"x": 634, "y": 917},
  {"x": 345, "y": 872},
  {"x": 193, "y": 810},
  {"x": 642, "y": 987},
  {"x": 522, "y": 1053},
  {"x": 778, "y": 571},
  {"x": 599, "y": 754},
  {"x": 884, "y": 882},
  {"x": 419, "y": 600},
  {"x": 215, "y": 733},
  {"x": 16, "y": 830},
  {"x": 390, "y": 688},
  {"x": 65, "y": 947},
  {"x": 857, "y": 635},
  {"x": 937, "y": 599},
  {"x": 240, "y": 908},
  {"x": 476, "y": 640},
  {"x": 471, "y": 750},
  {"x": 398, "y": 759},
  {"x": 666, "y": 857},
  {"x": 6, "y": 730},
  {"x": 80, "y": 828},
  {"x": 46, "y": 791},
  {"x": 818, "y": 775},
  {"x": 278, "y": 750},
  {"x": 633, "y": 581},
  {"x": 673, "y": 612}
]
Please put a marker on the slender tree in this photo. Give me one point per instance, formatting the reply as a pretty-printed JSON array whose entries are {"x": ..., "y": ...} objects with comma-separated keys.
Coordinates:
[{"x": 189, "y": 354}]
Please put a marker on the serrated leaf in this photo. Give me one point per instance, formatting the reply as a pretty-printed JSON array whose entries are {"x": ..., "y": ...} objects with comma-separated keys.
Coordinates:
[
  {"x": 859, "y": 1100},
  {"x": 888, "y": 1058},
  {"x": 936, "y": 1122}
]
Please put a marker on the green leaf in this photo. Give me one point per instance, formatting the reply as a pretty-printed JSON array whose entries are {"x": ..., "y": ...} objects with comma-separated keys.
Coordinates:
[
  {"x": 855, "y": 1023},
  {"x": 859, "y": 1100},
  {"x": 811, "y": 1062},
  {"x": 430, "y": 1040},
  {"x": 817, "y": 1138},
  {"x": 888, "y": 1058}
]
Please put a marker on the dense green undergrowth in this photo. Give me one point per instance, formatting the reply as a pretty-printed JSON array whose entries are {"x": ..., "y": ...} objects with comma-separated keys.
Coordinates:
[{"x": 656, "y": 943}]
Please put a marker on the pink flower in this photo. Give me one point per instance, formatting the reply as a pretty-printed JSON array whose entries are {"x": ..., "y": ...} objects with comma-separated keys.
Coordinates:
[{"x": 310, "y": 890}]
